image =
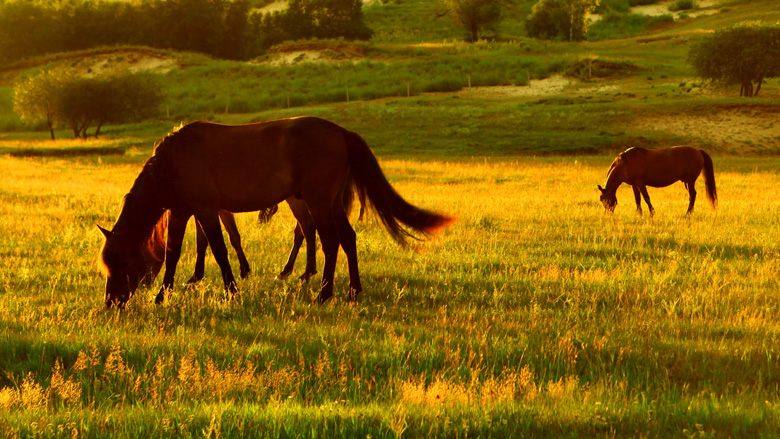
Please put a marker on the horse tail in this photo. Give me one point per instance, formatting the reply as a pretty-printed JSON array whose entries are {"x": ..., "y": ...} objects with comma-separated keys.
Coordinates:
[
  {"x": 709, "y": 180},
  {"x": 153, "y": 249},
  {"x": 375, "y": 191}
]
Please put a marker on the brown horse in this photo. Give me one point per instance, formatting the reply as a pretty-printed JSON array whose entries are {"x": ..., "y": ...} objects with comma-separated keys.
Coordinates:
[
  {"x": 204, "y": 167},
  {"x": 642, "y": 167},
  {"x": 154, "y": 248}
]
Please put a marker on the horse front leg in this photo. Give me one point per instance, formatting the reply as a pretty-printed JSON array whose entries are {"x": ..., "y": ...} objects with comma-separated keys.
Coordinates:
[
  {"x": 209, "y": 220},
  {"x": 646, "y": 196},
  {"x": 201, "y": 244},
  {"x": 638, "y": 199},
  {"x": 177, "y": 225}
]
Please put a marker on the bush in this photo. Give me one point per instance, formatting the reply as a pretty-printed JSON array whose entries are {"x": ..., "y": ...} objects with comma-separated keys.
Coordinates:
[
  {"x": 560, "y": 19},
  {"x": 62, "y": 98},
  {"x": 682, "y": 5},
  {"x": 741, "y": 54}
]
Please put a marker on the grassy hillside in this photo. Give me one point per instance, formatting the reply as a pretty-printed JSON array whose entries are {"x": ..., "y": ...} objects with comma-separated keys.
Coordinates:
[{"x": 632, "y": 77}]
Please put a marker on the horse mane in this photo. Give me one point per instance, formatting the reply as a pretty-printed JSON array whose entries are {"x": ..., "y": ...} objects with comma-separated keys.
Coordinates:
[{"x": 633, "y": 152}]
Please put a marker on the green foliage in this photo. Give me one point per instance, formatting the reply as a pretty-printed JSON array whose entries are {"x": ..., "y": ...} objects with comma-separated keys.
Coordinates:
[
  {"x": 221, "y": 28},
  {"x": 537, "y": 316},
  {"x": 474, "y": 16},
  {"x": 741, "y": 54},
  {"x": 561, "y": 19},
  {"x": 617, "y": 25},
  {"x": 79, "y": 102},
  {"x": 303, "y": 19},
  {"x": 682, "y": 5}
]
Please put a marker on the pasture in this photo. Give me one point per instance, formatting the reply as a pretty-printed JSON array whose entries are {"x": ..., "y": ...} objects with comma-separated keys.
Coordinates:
[{"x": 536, "y": 314}]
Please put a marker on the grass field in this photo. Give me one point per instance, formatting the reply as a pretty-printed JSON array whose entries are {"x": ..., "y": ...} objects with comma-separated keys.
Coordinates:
[{"x": 535, "y": 315}]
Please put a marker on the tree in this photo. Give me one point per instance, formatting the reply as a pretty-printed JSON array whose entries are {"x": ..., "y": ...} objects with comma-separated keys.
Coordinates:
[
  {"x": 34, "y": 98},
  {"x": 313, "y": 19},
  {"x": 63, "y": 98},
  {"x": 743, "y": 54},
  {"x": 565, "y": 19},
  {"x": 474, "y": 16}
]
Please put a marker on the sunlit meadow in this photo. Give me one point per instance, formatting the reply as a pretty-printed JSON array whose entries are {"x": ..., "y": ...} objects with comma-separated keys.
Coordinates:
[{"x": 536, "y": 314}]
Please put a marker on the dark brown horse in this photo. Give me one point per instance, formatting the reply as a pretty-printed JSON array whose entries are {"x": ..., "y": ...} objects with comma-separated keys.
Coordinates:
[
  {"x": 642, "y": 167},
  {"x": 154, "y": 248},
  {"x": 203, "y": 168}
]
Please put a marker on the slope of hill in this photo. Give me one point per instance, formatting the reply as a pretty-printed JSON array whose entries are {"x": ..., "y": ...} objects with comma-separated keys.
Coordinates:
[{"x": 638, "y": 80}]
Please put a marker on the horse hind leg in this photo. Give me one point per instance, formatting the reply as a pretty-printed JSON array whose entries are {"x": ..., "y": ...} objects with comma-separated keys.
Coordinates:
[
  {"x": 305, "y": 229},
  {"x": 646, "y": 196},
  {"x": 691, "y": 196},
  {"x": 322, "y": 213},
  {"x": 348, "y": 241}
]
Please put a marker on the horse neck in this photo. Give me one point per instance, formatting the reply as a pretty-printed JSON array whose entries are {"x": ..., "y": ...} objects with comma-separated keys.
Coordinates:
[
  {"x": 614, "y": 178},
  {"x": 141, "y": 210}
]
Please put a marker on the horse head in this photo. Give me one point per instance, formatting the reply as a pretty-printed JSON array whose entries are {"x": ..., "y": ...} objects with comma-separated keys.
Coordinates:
[
  {"x": 124, "y": 267},
  {"x": 608, "y": 200}
]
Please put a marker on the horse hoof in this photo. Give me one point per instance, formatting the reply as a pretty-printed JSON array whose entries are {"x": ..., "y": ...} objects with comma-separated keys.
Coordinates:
[
  {"x": 283, "y": 275},
  {"x": 159, "y": 298},
  {"x": 306, "y": 276},
  {"x": 353, "y": 294},
  {"x": 192, "y": 280},
  {"x": 322, "y": 298},
  {"x": 244, "y": 273}
]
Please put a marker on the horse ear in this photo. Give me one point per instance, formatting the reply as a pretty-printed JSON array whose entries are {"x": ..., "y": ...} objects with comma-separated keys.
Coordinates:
[
  {"x": 600, "y": 188},
  {"x": 106, "y": 233}
]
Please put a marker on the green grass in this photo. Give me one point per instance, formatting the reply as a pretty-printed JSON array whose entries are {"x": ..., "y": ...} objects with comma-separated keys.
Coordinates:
[{"x": 535, "y": 316}]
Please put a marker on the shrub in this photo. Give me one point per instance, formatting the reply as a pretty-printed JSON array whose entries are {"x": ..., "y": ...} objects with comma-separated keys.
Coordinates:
[
  {"x": 682, "y": 5},
  {"x": 563, "y": 19},
  {"x": 742, "y": 54},
  {"x": 62, "y": 98}
]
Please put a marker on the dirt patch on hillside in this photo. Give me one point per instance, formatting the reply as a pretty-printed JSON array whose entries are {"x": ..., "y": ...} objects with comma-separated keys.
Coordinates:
[
  {"x": 124, "y": 61},
  {"x": 312, "y": 52},
  {"x": 93, "y": 62},
  {"x": 751, "y": 130},
  {"x": 703, "y": 7},
  {"x": 538, "y": 87}
]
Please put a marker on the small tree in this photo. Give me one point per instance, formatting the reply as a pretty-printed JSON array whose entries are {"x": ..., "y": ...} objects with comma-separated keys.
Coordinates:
[
  {"x": 743, "y": 54},
  {"x": 79, "y": 102},
  {"x": 565, "y": 19},
  {"x": 35, "y": 97},
  {"x": 474, "y": 16}
]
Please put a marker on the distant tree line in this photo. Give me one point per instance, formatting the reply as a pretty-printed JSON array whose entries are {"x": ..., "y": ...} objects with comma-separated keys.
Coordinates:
[{"x": 228, "y": 29}]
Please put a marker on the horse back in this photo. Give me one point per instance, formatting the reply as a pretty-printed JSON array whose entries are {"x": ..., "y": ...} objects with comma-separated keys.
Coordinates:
[
  {"x": 662, "y": 167},
  {"x": 253, "y": 166}
]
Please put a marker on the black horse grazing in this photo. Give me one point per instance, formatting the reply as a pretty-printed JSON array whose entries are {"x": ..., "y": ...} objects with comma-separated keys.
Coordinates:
[
  {"x": 642, "y": 167},
  {"x": 204, "y": 167}
]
